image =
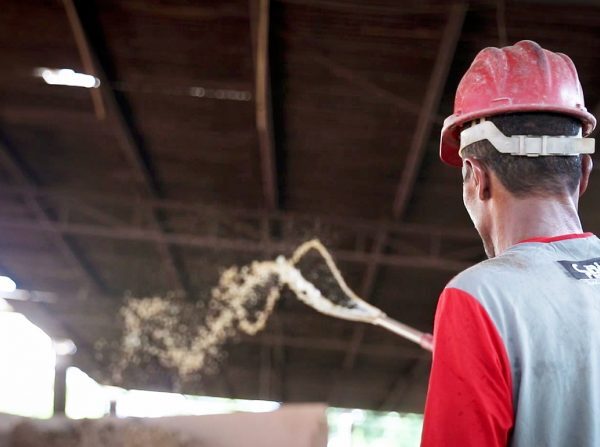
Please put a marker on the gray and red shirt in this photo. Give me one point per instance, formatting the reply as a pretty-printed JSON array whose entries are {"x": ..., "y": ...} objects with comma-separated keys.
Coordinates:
[{"x": 517, "y": 350}]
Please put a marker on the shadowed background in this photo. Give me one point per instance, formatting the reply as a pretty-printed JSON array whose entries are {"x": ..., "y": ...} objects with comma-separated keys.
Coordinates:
[{"x": 227, "y": 131}]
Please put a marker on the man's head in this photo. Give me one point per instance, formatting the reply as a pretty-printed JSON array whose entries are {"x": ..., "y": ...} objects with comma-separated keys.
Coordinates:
[
  {"x": 516, "y": 131},
  {"x": 490, "y": 176},
  {"x": 523, "y": 176}
]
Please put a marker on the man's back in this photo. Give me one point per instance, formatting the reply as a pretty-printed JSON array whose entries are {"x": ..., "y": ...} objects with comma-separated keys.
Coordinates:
[{"x": 529, "y": 321}]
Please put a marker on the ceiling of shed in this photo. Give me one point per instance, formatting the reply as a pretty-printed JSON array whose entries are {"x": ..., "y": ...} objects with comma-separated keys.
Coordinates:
[{"x": 176, "y": 181}]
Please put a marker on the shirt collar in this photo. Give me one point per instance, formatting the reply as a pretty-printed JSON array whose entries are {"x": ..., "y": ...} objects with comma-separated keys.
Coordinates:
[{"x": 545, "y": 239}]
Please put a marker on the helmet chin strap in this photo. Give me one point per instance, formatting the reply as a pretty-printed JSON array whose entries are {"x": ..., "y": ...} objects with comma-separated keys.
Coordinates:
[{"x": 525, "y": 145}]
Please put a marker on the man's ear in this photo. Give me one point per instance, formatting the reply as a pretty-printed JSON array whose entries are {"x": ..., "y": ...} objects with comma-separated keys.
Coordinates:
[
  {"x": 586, "y": 169},
  {"x": 481, "y": 176}
]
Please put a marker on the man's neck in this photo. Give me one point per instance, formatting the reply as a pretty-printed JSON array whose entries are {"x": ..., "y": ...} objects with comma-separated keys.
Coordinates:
[{"x": 522, "y": 219}]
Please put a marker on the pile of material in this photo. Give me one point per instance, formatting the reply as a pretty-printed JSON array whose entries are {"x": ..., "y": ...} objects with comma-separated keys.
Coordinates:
[{"x": 292, "y": 426}]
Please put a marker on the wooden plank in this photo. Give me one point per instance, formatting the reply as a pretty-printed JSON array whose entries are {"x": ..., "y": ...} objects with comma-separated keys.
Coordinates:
[
  {"x": 399, "y": 8},
  {"x": 435, "y": 88},
  {"x": 86, "y": 57},
  {"x": 259, "y": 17},
  {"x": 240, "y": 245},
  {"x": 195, "y": 12},
  {"x": 350, "y": 223},
  {"x": 366, "y": 291},
  {"x": 43, "y": 218},
  {"x": 416, "y": 151},
  {"x": 127, "y": 140},
  {"x": 359, "y": 81}
]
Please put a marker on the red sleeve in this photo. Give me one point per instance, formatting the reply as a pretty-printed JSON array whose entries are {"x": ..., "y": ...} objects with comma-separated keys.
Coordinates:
[{"x": 469, "y": 401}]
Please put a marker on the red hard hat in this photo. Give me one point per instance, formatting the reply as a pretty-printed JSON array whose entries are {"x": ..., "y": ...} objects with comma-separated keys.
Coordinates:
[{"x": 520, "y": 78}]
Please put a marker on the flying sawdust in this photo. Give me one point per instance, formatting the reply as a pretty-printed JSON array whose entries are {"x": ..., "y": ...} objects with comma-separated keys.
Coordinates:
[{"x": 167, "y": 329}]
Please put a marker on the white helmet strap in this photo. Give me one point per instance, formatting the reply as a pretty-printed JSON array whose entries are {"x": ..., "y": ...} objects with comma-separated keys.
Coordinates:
[{"x": 524, "y": 145}]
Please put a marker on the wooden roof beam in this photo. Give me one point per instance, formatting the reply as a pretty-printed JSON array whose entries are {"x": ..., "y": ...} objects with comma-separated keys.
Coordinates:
[
  {"x": 363, "y": 83},
  {"x": 259, "y": 25},
  {"x": 397, "y": 8},
  {"x": 366, "y": 290},
  {"x": 167, "y": 205},
  {"x": 428, "y": 111},
  {"x": 126, "y": 137},
  {"x": 334, "y": 344},
  {"x": 133, "y": 233},
  {"x": 45, "y": 220},
  {"x": 417, "y": 149}
]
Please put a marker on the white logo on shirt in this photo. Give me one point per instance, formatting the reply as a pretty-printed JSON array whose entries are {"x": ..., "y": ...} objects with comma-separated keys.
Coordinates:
[{"x": 592, "y": 271}]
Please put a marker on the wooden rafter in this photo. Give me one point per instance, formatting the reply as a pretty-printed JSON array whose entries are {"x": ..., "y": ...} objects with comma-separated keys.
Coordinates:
[
  {"x": 357, "y": 225},
  {"x": 133, "y": 233},
  {"x": 361, "y": 82},
  {"x": 417, "y": 148},
  {"x": 259, "y": 20},
  {"x": 435, "y": 88},
  {"x": 274, "y": 340},
  {"x": 43, "y": 218},
  {"x": 87, "y": 58},
  {"x": 366, "y": 290},
  {"x": 125, "y": 134}
]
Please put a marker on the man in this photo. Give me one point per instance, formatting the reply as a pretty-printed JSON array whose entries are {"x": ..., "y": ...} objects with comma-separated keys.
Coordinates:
[{"x": 517, "y": 337}]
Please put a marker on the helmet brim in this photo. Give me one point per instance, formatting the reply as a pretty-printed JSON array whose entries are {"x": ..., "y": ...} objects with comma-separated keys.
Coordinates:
[{"x": 450, "y": 138}]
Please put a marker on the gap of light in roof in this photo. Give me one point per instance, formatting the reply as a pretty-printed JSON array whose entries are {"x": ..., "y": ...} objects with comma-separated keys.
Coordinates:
[
  {"x": 7, "y": 284},
  {"x": 233, "y": 95},
  {"x": 66, "y": 76}
]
